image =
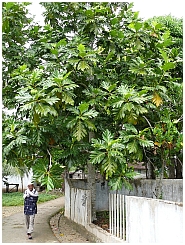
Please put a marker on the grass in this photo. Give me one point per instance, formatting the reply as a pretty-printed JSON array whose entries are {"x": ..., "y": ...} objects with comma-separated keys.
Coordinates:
[{"x": 16, "y": 198}]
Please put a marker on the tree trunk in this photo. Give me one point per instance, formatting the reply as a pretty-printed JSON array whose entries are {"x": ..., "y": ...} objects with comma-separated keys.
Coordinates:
[
  {"x": 159, "y": 186},
  {"x": 178, "y": 166},
  {"x": 22, "y": 187},
  {"x": 91, "y": 179},
  {"x": 149, "y": 166},
  {"x": 171, "y": 168},
  {"x": 150, "y": 170},
  {"x": 92, "y": 188}
]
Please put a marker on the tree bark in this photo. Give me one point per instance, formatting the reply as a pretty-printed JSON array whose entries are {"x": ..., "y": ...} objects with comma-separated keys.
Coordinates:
[
  {"x": 171, "y": 168},
  {"x": 92, "y": 188},
  {"x": 178, "y": 166},
  {"x": 159, "y": 186},
  {"x": 149, "y": 167},
  {"x": 22, "y": 187},
  {"x": 150, "y": 171},
  {"x": 91, "y": 179}
]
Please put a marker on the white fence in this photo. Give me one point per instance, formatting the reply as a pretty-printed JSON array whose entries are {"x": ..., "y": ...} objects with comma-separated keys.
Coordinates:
[
  {"x": 131, "y": 219},
  {"x": 139, "y": 219},
  {"x": 153, "y": 221},
  {"x": 78, "y": 209},
  {"x": 117, "y": 215}
]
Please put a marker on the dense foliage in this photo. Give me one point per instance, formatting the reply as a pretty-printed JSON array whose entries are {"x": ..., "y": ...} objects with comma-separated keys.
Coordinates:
[{"x": 96, "y": 69}]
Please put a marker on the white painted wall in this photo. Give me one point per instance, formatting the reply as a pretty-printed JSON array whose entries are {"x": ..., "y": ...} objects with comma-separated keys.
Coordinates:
[
  {"x": 153, "y": 221},
  {"x": 17, "y": 180},
  {"x": 148, "y": 220},
  {"x": 67, "y": 199},
  {"x": 77, "y": 204}
]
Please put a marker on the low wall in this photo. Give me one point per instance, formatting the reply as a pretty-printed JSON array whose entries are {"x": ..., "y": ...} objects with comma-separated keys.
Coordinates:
[
  {"x": 103, "y": 235},
  {"x": 153, "y": 221},
  {"x": 78, "y": 211},
  {"x": 102, "y": 192},
  {"x": 147, "y": 219},
  {"x": 77, "y": 204},
  {"x": 172, "y": 190}
]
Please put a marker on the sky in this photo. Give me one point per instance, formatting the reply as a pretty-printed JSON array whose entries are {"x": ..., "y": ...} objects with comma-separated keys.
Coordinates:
[{"x": 146, "y": 8}]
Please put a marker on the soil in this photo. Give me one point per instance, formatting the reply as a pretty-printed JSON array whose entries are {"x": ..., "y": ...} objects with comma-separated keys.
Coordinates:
[
  {"x": 102, "y": 220},
  {"x": 61, "y": 229},
  {"x": 65, "y": 232},
  {"x": 7, "y": 211}
]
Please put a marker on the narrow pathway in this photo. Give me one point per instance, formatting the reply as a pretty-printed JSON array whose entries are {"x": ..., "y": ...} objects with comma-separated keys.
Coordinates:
[
  {"x": 65, "y": 232},
  {"x": 14, "y": 230}
]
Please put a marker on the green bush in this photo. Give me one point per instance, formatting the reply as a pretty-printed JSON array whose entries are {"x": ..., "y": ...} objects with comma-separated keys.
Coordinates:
[{"x": 16, "y": 198}]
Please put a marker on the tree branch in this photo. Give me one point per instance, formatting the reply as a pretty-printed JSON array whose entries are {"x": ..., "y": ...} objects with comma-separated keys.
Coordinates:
[{"x": 50, "y": 159}]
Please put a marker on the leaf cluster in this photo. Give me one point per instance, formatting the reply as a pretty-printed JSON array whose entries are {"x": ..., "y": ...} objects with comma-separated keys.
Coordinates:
[{"x": 94, "y": 69}]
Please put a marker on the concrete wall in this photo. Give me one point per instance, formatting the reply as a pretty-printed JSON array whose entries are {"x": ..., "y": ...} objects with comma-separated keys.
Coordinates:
[
  {"x": 68, "y": 187},
  {"x": 148, "y": 220},
  {"x": 102, "y": 192},
  {"x": 153, "y": 221},
  {"x": 172, "y": 190},
  {"x": 78, "y": 183},
  {"x": 78, "y": 211},
  {"x": 102, "y": 197},
  {"x": 77, "y": 203}
]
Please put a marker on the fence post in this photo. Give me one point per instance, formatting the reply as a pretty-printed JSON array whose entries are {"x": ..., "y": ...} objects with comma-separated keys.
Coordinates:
[
  {"x": 110, "y": 214},
  {"x": 114, "y": 209},
  {"x": 117, "y": 215},
  {"x": 121, "y": 218},
  {"x": 124, "y": 217}
]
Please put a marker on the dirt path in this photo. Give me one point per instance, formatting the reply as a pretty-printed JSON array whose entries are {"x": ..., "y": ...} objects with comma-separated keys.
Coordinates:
[
  {"x": 46, "y": 228},
  {"x": 64, "y": 232},
  {"x": 8, "y": 211}
]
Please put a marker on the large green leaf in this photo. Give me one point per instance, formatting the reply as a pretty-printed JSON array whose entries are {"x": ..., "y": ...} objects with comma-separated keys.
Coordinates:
[
  {"x": 136, "y": 26},
  {"x": 50, "y": 100},
  {"x": 83, "y": 65},
  {"x": 116, "y": 183},
  {"x": 108, "y": 167},
  {"x": 50, "y": 178},
  {"x": 83, "y": 107},
  {"x": 167, "y": 66},
  {"x": 44, "y": 110},
  {"x": 97, "y": 157},
  {"x": 130, "y": 127},
  {"x": 80, "y": 132},
  {"x": 146, "y": 143},
  {"x": 81, "y": 48},
  {"x": 90, "y": 114},
  {"x": 132, "y": 147}
]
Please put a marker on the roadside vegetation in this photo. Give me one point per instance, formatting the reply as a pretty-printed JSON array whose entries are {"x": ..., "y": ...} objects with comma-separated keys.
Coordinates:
[
  {"x": 16, "y": 198},
  {"x": 96, "y": 88}
]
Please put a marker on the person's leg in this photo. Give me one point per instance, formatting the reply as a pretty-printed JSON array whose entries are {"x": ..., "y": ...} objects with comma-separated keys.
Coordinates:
[
  {"x": 31, "y": 223},
  {"x": 27, "y": 221}
]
